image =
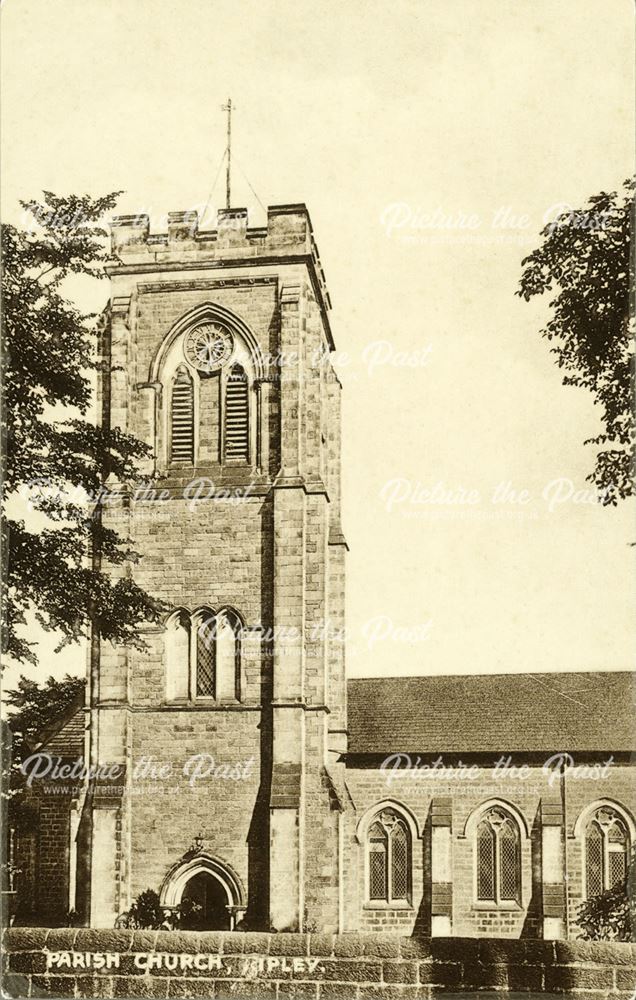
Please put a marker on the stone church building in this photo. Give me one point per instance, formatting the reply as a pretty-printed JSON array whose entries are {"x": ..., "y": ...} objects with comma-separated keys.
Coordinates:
[{"x": 234, "y": 765}]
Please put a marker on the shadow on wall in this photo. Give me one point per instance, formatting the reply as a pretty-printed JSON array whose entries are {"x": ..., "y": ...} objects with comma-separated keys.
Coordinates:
[
  {"x": 532, "y": 925},
  {"x": 422, "y": 926},
  {"x": 257, "y": 914}
]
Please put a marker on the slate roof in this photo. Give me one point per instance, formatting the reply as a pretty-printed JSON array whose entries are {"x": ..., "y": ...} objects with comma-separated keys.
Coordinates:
[
  {"x": 65, "y": 738},
  {"x": 69, "y": 741},
  {"x": 493, "y": 713}
]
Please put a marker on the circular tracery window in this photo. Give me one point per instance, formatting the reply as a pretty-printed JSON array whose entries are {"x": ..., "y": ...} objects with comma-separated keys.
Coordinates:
[{"x": 208, "y": 346}]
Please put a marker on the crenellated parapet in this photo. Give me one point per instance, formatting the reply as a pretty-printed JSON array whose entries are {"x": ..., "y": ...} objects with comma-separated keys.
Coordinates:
[{"x": 288, "y": 236}]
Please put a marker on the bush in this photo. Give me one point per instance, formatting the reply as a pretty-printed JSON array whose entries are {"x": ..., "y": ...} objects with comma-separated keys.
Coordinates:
[
  {"x": 611, "y": 916},
  {"x": 147, "y": 913}
]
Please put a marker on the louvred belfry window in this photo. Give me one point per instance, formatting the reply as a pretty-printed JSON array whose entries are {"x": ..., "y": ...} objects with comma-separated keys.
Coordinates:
[
  {"x": 237, "y": 416},
  {"x": 606, "y": 851},
  {"x": 498, "y": 859},
  {"x": 389, "y": 859},
  {"x": 182, "y": 418}
]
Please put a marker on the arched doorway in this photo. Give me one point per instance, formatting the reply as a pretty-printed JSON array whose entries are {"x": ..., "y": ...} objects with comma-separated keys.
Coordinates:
[
  {"x": 212, "y": 885},
  {"x": 210, "y": 899}
]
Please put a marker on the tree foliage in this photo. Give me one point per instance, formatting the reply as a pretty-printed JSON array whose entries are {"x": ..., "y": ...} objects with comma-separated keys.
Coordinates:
[
  {"x": 585, "y": 259},
  {"x": 35, "y": 707},
  {"x": 148, "y": 913},
  {"x": 52, "y": 445},
  {"x": 611, "y": 916}
]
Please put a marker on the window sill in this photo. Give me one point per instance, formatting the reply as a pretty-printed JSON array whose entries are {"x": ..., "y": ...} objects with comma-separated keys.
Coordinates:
[
  {"x": 505, "y": 907},
  {"x": 223, "y": 476},
  {"x": 203, "y": 705},
  {"x": 384, "y": 907}
]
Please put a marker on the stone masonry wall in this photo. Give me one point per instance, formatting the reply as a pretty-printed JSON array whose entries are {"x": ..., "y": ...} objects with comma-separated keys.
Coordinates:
[
  {"x": 267, "y": 284},
  {"x": 621, "y": 788},
  {"x": 368, "y": 788},
  {"x": 310, "y": 967}
]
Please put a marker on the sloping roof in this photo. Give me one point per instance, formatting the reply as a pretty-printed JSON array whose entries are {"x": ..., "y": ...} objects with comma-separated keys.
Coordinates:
[
  {"x": 65, "y": 736},
  {"x": 69, "y": 740},
  {"x": 497, "y": 713}
]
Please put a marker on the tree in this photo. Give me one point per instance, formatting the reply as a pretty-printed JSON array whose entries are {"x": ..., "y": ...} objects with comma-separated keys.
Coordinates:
[
  {"x": 611, "y": 916},
  {"x": 50, "y": 353},
  {"x": 585, "y": 257},
  {"x": 35, "y": 707}
]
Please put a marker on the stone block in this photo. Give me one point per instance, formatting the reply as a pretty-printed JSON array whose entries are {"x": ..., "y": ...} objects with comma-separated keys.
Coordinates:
[
  {"x": 127, "y": 966},
  {"x": 14, "y": 985},
  {"x": 626, "y": 979},
  {"x": 298, "y": 991},
  {"x": 190, "y": 989},
  {"x": 247, "y": 967},
  {"x": 349, "y": 970},
  {"x": 148, "y": 986},
  {"x": 348, "y": 946},
  {"x": 336, "y": 991},
  {"x": 570, "y": 977},
  {"x": 415, "y": 948},
  {"x": 382, "y": 945},
  {"x": 439, "y": 973},
  {"x": 399, "y": 972},
  {"x": 25, "y": 938},
  {"x": 245, "y": 991},
  {"x": 255, "y": 943},
  {"x": 231, "y": 944},
  {"x": 143, "y": 941},
  {"x": 27, "y": 961},
  {"x": 601, "y": 952},
  {"x": 321, "y": 944},
  {"x": 94, "y": 986},
  {"x": 455, "y": 949},
  {"x": 476, "y": 976},
  {"x": 525, "y": 977},
  {"x": 53, "y": 986},
  {"x": 495, "y": 951},
  {"x": 393, "y": 992},
  {"x": 288, "y": 944},
  {"x": 179, "y": 941},
  {"x": 88, "y": 939},
  {"x": 213, "y": 942}
]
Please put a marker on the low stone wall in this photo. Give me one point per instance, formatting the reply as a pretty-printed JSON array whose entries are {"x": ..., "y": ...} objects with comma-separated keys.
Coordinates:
[{"x": 119, "y": 963}]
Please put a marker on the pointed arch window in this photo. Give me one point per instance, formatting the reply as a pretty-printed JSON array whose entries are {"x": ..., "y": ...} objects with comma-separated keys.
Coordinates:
[
  {"x": 203, "y": 655},
  {"x": 237, "y": 415},
  {"x": 389, "y": 860},
  {"x": 227, "y": 655},
  {"x": 498, "y": 858},
  {"x": 182, "y": 417},
  {"x": 178, "y": 656},
  {"x": 606, "y": 851}
]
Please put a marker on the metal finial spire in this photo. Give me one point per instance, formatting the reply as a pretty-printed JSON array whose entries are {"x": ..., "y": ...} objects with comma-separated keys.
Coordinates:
[{"x": 228, "y": 107}]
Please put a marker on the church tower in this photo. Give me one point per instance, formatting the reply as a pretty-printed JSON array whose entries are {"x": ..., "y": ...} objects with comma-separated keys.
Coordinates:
[{"x": 226, "y": 729}]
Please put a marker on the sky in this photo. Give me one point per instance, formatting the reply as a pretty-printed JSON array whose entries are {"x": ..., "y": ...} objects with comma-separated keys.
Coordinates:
[{"x": 431, "y": 140}]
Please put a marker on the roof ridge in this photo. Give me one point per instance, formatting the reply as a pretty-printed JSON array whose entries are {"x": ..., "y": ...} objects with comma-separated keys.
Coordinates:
[{"x": 522, "y": 673}]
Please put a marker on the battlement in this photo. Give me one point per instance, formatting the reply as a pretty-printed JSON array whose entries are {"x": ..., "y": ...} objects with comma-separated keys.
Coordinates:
[{"x": 288, "y": 237}]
